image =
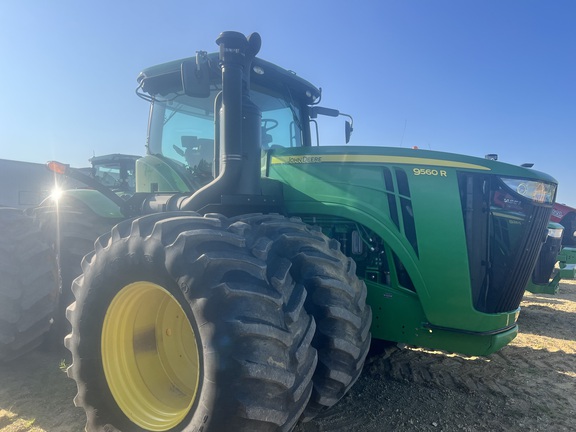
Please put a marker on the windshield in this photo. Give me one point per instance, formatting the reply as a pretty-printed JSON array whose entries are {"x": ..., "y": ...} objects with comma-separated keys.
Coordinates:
[
  {"x": 182, "y": 128},
  {"x": 116, "y": 175}
]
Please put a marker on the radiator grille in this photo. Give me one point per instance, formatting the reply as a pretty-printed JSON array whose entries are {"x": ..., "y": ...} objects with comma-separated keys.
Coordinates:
[
  {"x": 509, "y": 296},
  {"x": 504, "y": 233}
]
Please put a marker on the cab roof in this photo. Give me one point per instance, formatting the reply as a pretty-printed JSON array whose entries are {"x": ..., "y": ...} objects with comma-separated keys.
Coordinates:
[{"x": 166, "y": 78}]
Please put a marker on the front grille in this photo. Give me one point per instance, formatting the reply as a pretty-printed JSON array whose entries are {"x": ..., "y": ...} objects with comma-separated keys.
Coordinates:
[
  {"x": 509, "y": 296},
  {"x": 504, "y": 234}
]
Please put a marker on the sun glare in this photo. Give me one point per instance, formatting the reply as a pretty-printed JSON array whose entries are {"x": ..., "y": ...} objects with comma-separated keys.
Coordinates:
[{"x": 56, "y": 193}]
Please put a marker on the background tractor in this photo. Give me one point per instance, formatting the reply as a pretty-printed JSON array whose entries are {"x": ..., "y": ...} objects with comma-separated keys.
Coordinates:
[
  {"x": 557, "y": 259},
  {"x": 240, "y": 286},
  {"x": 31, "y": 183},
  {"x": 38, "y": 261}
]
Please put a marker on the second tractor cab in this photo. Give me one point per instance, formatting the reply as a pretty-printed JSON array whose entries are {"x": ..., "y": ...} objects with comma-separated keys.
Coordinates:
[{"x": 115, "y": 171}]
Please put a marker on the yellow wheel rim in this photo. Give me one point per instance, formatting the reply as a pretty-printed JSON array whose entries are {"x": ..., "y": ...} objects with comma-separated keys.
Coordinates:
[{"x": 150, "y": 356}]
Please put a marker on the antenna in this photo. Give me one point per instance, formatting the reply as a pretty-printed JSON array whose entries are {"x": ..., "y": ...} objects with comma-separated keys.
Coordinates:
[{"x": 403, "y": 132}]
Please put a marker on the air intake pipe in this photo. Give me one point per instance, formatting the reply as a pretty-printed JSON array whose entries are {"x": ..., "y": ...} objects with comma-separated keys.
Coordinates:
[{"x": 240, "y": 119}]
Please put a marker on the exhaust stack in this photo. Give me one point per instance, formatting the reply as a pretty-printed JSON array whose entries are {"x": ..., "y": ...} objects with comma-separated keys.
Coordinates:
[{"x": 239, "y": 125}]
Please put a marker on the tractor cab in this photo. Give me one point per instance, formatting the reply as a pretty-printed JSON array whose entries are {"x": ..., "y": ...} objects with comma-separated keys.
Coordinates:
[
  {"x": 184, "y": 130},
  {"x": 115, "y": 171}
]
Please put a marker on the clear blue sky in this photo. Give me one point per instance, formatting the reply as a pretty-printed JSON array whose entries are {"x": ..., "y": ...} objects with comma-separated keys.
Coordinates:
[{"x": 463, "y": 76}]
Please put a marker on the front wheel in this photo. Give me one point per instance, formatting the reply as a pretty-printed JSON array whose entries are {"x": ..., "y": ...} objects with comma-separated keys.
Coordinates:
[{"x": 187, "y": 323}]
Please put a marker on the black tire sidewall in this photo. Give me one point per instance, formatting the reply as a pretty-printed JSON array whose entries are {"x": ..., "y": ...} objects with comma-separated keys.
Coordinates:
[
  {"x": 28, "y": 285},
  {"x": 105, "y": 278}
]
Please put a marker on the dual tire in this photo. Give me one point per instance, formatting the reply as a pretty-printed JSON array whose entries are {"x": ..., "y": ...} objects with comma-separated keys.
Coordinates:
[
  {"x": 336, "y": 299},
  {"x": 190, "y": 323}
]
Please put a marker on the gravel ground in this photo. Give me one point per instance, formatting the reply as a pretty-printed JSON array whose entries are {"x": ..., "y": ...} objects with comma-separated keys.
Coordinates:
[{"x": 529, "y": 385}]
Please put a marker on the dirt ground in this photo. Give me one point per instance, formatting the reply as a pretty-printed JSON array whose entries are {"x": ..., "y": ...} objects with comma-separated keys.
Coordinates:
[{"x": 529, "y": 385}]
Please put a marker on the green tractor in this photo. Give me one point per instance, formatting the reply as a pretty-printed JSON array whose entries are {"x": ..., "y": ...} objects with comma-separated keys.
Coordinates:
[
  {"x": 240, "y": 286},
  {"x": 555, "y": 262},
  {"x": 32, "y": 301}
]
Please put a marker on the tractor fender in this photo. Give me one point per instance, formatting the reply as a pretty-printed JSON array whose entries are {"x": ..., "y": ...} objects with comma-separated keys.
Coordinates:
[{"x": 97, "y": 202}]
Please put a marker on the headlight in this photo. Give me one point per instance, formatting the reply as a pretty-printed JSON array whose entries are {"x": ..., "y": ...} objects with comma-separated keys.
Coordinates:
[
  {"x": 555, "y": 232},
  {"x": 536, "y": 191}
]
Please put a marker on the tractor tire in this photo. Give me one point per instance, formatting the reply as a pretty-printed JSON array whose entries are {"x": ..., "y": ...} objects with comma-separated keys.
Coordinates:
[
  {"x": 188, "y": 323},
  {"x": 71, "y": 228},
  {"x": 336, "y": 299},
  {"x": 28, "y": 285}
]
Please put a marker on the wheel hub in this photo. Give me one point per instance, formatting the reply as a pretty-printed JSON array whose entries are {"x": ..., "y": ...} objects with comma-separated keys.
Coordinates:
[{"x": 150, "y": 356}]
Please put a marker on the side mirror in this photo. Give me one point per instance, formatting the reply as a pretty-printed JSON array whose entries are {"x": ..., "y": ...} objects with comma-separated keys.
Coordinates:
[
  {"x": 330, "y": 112},
  {"x": 348, "y": 130},
  {"x": 196, "y": 76},
  {"x": 315, "y": 110}
]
